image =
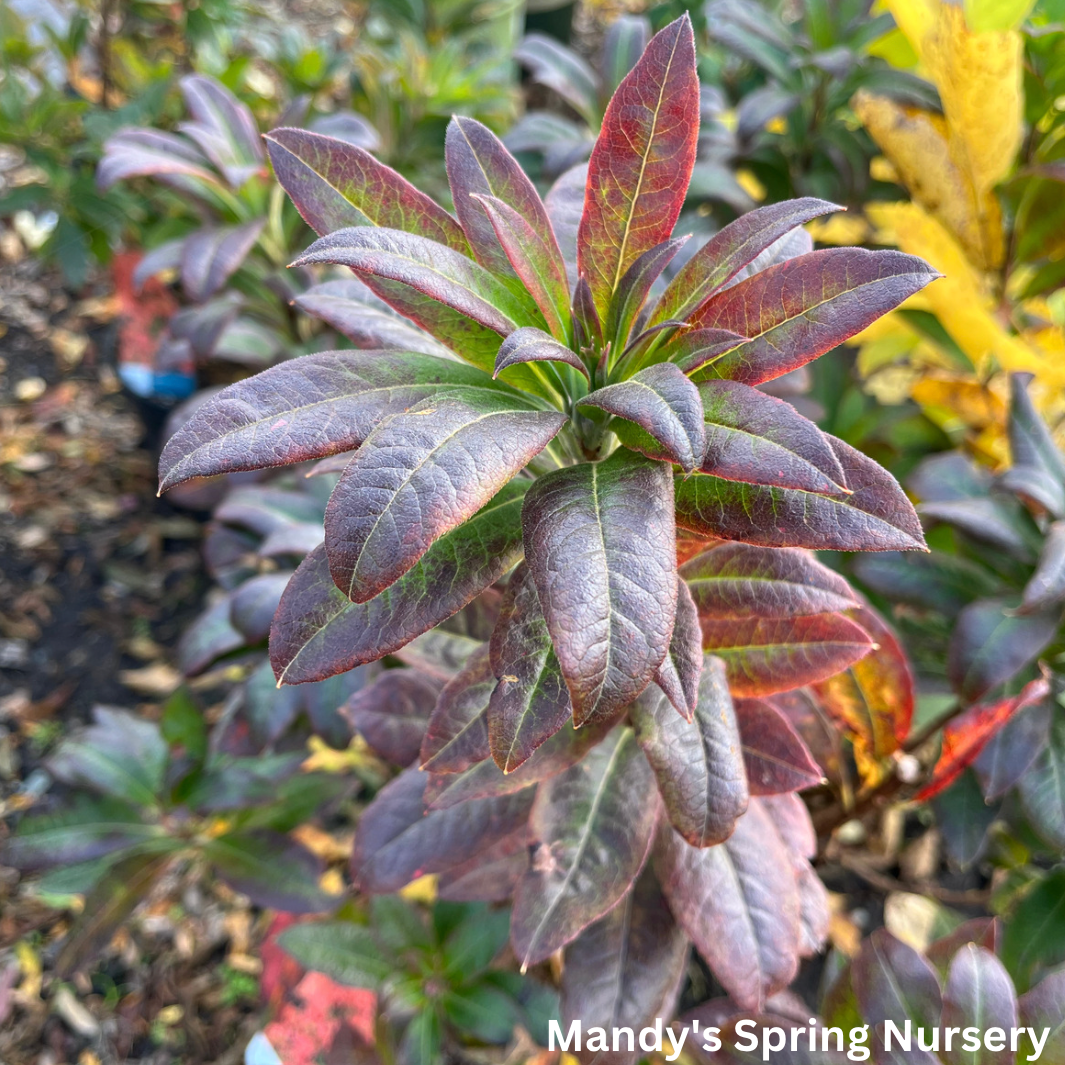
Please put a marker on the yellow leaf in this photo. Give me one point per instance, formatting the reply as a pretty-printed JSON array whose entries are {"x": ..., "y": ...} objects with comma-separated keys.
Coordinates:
[
  {"x": 839, "y": 229},
  {"x": 985, "y": 16},
  {"x": 325, "y": 759},
  {"x": 964, "y": 399},
  {"x": 751, "y": 185},
  {"x": 915, "y": 18},
  {"x": 883, "y": 169},
  {"x": 421, "y": 890},
  {"x": 894, "y": 48}
]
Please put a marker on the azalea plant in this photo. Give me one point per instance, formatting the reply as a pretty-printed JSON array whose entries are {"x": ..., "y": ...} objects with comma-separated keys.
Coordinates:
[{"x": 564, "y": 429}]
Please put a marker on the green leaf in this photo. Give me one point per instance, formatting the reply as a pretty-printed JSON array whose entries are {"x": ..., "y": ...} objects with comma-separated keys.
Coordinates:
[
  {"x": 1035, "y": 930},
  {"x": 345, "y": 952}
]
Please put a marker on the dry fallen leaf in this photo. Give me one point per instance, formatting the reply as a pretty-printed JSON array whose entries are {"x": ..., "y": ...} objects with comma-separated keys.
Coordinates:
[{"x": 156, "y": 679}]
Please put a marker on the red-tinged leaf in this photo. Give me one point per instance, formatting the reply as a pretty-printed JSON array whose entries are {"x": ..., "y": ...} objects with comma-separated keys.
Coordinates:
[
  {"x": 530, "y": 344},
  {"x": 1046, "y": 587},
  {"x": 421, "y": 474},
  {"x": 150, "y": 153},
  {"x": 560, "y": 68},
  {"x": 979, "y": 994},
  {"x": 776, "y": 758},
  {"x": 531, "y": 702},
  {"x": 1037, "y": 471},
  {"x": 698, "y": 764},
  {"x": 818, "y": 732},
  {"x": 306, "y": 408},
  {"x": 439, "y": 289},
  {"x": 792, "y": 821},
  {"x": 594, "y": 827},
  {"x": 696, "y": 347},
  {"x": 1010, "y": 753},
  {"x": 641, "y": 163},
  {"x": 538, "y": 265},
  {"x": 564, "y": 749},
  {"x": 210, "y": 257},
  {"x": 729, "y": 251},
  {"x": 661, "y": 404},
  {"x": 335, "y": 184},
  {"x": 965, "y": 737},
  {"x": 764, "y": 656},
  {"x": 599, "y": 541},
  {"x": 740, "y": 581},
  {"x": 340, "y": 304},
  {"x": 587, "y": 325},
  {"x": 490, "y": 876},
  {"x": 564, "y": 203},
  {"x": 318, "y": 632},
  {"x": 873, "y": 700},
  {"x": 633, "y": 289},
  {"x": 398, "y": 840},
  {"x": 391, "y": 714},
  {"x": 893, "y": 982},
  {"x": 981, "y": 931},
  {"x": 440, "y": 653},
  {"x": 739, "y": 903},
  {"x": 457, "y": 734},
  {"x": 678, "y": 675},
  {"x": 763, "y": 440},
  {"x": 990, "y": 644},
  {"x": 799, "y": 309},
  {"x": 624, "y": 970},
  {"x": 876, "y": 516}
]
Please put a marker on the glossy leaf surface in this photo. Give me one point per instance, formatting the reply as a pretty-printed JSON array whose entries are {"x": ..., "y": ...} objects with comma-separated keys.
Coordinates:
[
  {"x": 599, "y": 541},
  {"x": 641, "y": 163},
  {"x": 698, "y": 764},
  {"x": 594, "y": 826}
]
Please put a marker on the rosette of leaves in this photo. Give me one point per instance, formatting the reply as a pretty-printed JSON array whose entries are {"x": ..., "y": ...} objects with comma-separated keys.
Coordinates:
[
  {"x": 960, "y": 981},
  {"x": 229, "y": 264},
  {"x": 437, "y": 976},
  {"x": 985, "y": 607},
  {"x": 583, "y": 429},
  {"x": 147, "y": 794}
]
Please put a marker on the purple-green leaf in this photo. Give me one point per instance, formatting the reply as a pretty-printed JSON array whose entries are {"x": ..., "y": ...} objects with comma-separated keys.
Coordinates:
[
  {"x": 318, "y": 632},
  {"x": 876, "y": 516},
  {"x": 776, "y": 758},
  {"x": 775, "y": 655},
  {"x": 600, "y": 543},
  {"x": 457, "y": 734},
  {"x": 490, "y": 876},
  {"x": 594, "y": 827},
  {"x": 894, "y": 983},
  {"x": 632, "y": 291},
  {"x": 210, "y": 256},
  {"x": 739, "y": 902},
  {"x": 530, "y": 344},
  {"x": 624, "y": 970},
  {"x": 678, "y": 675},
  {"x": 334, "y": 184},
  {"x": 224, "y": 128},
  {"x": 698, "y": 764},
  {"x": 421, "y": 474},
  {"x": 694, "y": 348},
  {"x": 307, "y": 408},
  {"x": 729, "y": 251},
  {"x": 740, "y": 581},
  {"x": 661, "y": 403},
  {"x": 799, "y": 309},
  {"x": 756, "y": 438},
  {"x": 641, "y": 163},
  {"x": 398, "y": 840},
  {"x": 531, "y": 702},
  {"x": 391, "y": 714},
  {"x": 1037, "y": 469},
  {"x": 150, "y": 153}
]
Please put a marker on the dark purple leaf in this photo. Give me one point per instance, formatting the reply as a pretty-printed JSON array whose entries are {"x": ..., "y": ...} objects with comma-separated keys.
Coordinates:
[
  {"x": 876, "y": 516},
  {"x": 893, "y": 982},
  {"x": 1038, "y": 467},
  {"x": 224, "y": 128},
  {"x": 398, "y": 840},
  {"x": 531, "y": 702},
  {"x": 762, "y": 440},
  {"x": 641, "y": 163},
  {"x": 335, "y": 184},
  {"x": 1011, "y": 751},
  {"x": 799, "y": 309},
  {"x": 990, "y": 644},
  {"x": 391, "y": 714},
  {"x": 698, "y": 764},
  {"x": 728, "y": 251},
  {"x": 678, "y": 675},
  {"x": 306, "y": 408},
  {"x": 209, "y": 637},
  {"x": 530, "y": 344},
  {"x": 490, "y": 876},
  {"x": 594, "y": 827},
  {"x": 624, "y": 970},
  {"x": 1042, "y": 788},
  {"x": 600, "y": 543},
  {"x": 739, "y": 902},
  {"x": 633, "y": 289},
  {"x": 252, "y": 605},
  {"x": 210, "y": 257},
  {"x": 319, "y": 632},
  {"x": 740, "y": 581},
  {"x": 665, "y": 406},
  {"x": 774, "y": 754},
  {"x": 457, "y": 734}
]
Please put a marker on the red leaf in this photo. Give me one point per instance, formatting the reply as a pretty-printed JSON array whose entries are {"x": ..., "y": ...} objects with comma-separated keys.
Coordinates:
[
  {"x": 642, "y": 161},
  {"x": 965, "y": 737}
]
